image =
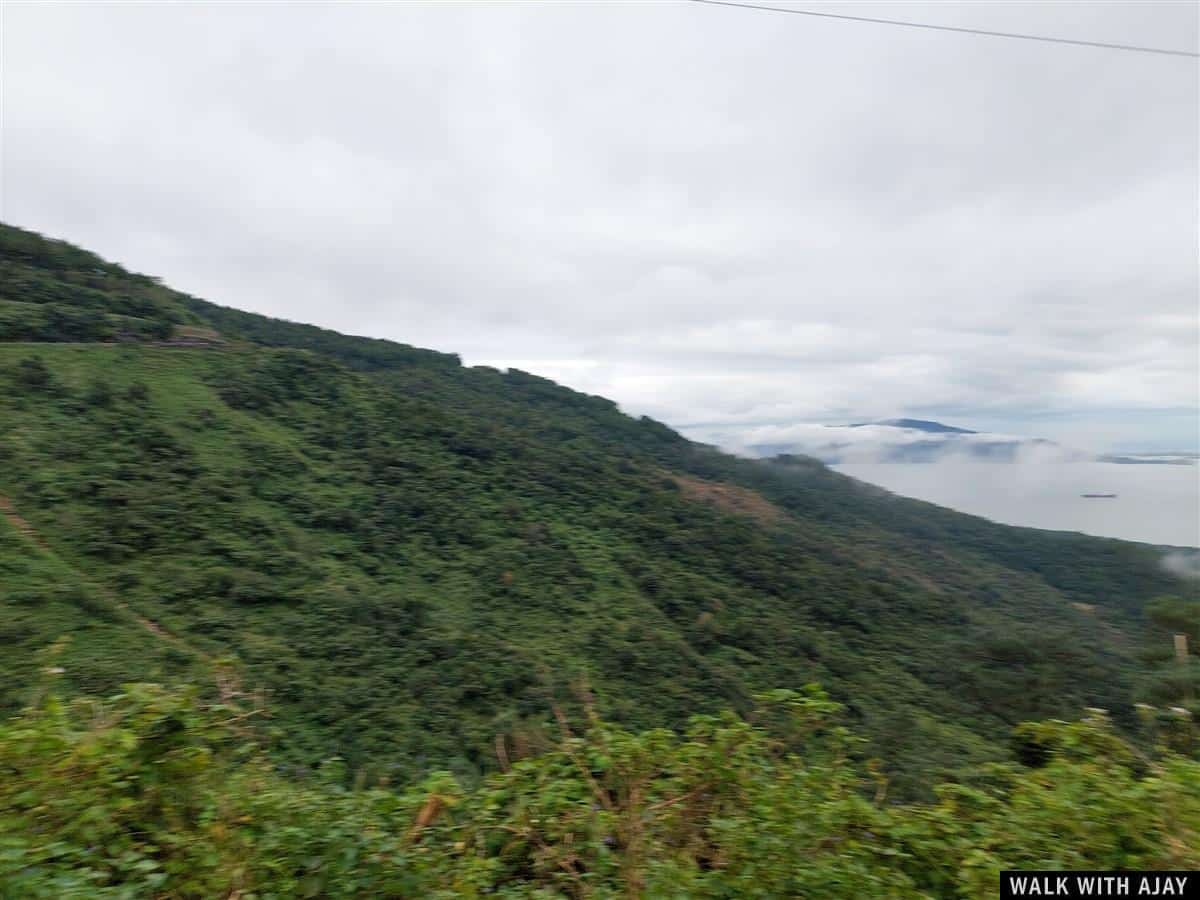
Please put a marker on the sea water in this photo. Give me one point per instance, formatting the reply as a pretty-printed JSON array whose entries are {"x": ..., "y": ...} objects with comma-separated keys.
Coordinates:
[{"x": 1158, "y": 504}]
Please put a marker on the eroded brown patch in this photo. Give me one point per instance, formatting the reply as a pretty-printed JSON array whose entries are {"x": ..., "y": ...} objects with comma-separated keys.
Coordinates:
[{"x": 729, "y": 497}]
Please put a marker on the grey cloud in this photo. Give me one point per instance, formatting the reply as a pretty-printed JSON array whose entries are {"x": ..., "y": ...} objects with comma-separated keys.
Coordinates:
[{"x": 712, "y": 216}]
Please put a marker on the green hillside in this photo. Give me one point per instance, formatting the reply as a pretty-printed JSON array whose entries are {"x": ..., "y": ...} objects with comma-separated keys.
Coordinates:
[
  {"x": 413, "y": 560},
  {"x": 422, "y": 630}
]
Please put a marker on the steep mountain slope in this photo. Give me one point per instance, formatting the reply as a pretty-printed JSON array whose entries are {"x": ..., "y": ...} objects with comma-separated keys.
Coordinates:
[{"x": 412, "y": 558}]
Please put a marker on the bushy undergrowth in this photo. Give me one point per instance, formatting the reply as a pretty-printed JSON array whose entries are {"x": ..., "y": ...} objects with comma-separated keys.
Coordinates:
[{"x": 153, "y": 793}]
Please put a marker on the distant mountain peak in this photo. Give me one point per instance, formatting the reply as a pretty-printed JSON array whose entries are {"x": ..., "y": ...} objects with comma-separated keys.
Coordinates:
[{"x": 917, "y": 425}]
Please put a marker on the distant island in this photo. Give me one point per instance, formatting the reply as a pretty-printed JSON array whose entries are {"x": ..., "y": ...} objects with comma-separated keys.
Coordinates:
[
  {"x": 1150, "y": 459},
  {"x": 1099, "y": 496}
]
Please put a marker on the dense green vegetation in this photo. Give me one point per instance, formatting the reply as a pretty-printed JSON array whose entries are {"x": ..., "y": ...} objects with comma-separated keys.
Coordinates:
[
  {"x": 409, "y": 562},
  {"x": 53, "y": 291},
  {"x": 408, "y": 581},
  {"x": 151, "y": 793}
]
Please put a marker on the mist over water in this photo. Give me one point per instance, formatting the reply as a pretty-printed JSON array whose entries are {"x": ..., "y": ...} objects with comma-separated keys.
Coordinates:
[{"x": 1158, "y": 504}]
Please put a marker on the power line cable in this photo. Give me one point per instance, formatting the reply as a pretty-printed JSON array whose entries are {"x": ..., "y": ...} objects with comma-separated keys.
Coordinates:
[{"x": 1004, "y": 34}]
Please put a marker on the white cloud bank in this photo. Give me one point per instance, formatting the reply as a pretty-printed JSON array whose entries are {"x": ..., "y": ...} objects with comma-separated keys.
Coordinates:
[{"x": 874, "y": 443}]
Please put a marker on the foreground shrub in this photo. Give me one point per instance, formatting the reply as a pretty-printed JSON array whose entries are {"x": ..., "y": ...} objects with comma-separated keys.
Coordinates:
[{"x": 156, "y": 793}]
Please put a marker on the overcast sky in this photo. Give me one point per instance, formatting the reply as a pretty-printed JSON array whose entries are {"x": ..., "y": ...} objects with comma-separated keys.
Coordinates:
[{"x": 723, "y": 218}]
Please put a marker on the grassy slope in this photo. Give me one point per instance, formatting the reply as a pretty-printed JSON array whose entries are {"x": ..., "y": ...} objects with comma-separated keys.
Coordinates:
[{"x": 413, "y": 557}]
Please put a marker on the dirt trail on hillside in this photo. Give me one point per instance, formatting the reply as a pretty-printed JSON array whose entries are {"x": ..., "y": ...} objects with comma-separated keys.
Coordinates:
[
  {"x": 28, "y": 531},
  {"x": 19, "y": 523}
]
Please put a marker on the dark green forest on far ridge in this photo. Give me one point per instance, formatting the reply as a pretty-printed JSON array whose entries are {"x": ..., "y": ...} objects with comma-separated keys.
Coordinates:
[{"x": 423, "y": 570}]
